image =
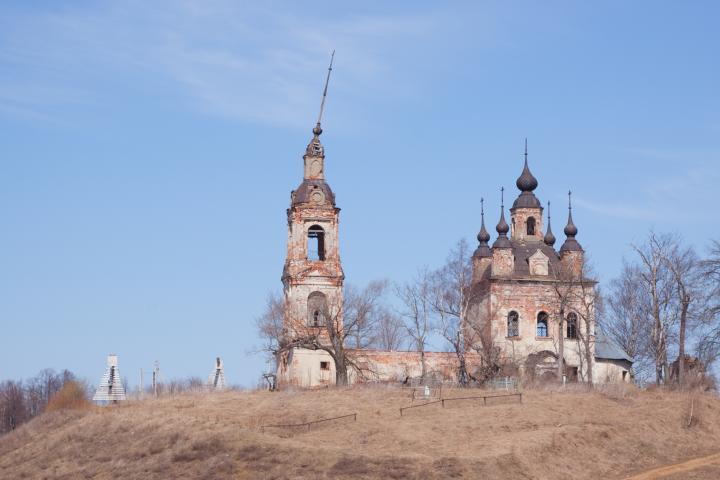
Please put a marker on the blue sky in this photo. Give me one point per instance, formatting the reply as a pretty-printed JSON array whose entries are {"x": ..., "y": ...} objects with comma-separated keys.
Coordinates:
[{"x": 148, "y": 150}]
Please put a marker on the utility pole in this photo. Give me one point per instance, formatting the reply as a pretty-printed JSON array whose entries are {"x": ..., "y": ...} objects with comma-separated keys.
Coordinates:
[{"x": 156, "y": 378}]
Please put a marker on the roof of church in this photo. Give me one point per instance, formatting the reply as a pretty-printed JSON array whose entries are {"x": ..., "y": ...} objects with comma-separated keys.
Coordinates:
[
  {"x": 607, "y": 348},
  {"x": 526, "y": 183},
  {"x": 303, "y": 193},
  {"x": 526, "y": 200},
  {"x": 523, "y": 250}
]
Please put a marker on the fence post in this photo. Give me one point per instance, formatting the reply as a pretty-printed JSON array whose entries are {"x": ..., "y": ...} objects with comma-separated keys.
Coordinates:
[{"x": 484, "y": 400}]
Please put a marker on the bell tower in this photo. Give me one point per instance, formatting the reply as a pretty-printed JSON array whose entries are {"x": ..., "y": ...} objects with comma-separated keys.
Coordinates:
[
  {"x": 313, "y": 276},
  {"x": 526, "y": 212}
]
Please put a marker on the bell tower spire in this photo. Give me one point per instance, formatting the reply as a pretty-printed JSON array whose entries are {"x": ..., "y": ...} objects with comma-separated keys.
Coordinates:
[
  {"x": 526, "y": 212},
  {"x": 315, "y": 153}
]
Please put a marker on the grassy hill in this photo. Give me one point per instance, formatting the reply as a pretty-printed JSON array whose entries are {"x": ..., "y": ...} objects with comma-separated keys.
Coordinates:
[{"x": 550, "y": 435}]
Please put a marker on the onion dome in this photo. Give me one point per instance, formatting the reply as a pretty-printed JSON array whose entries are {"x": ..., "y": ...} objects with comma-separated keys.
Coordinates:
[
  {"x": 483, "y": 237},
  {"x": 570, "y": 245},
  {"x": 502, "y": 227},
  {"x": 549, "y": 237},
  {"x": 526, "y": 183}
]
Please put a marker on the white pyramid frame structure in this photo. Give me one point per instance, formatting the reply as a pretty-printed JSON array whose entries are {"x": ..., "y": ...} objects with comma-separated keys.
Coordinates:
[
  {"x": 216, "y": 380},
  {"x": 111, "y": 388}
]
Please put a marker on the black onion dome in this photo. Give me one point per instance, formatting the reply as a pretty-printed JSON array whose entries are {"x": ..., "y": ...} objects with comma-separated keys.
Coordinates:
[
  {"x": 549, "y": 237},
  {"x": 570, "y": 245},
  {"x": 526, "y": 182},
  {"x": 570, "y": 229},
  {"x": 483, "y": 238},
  {"x": 502, "y": 228}
]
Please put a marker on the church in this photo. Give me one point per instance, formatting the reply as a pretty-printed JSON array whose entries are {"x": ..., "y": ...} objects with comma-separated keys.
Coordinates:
[{"x": 532, "y": 312}]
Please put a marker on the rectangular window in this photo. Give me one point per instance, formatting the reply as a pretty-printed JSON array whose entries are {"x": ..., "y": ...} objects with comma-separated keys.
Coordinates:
[{"x": 324, "y": 365}]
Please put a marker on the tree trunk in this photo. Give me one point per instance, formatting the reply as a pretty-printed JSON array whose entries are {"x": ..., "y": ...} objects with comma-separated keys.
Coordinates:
[
  {"x": 561, "y": 347},
  {"x": 341, "y": 376},
  {"x": 681, "y": 347},
  {"x": 463, "y": 376},
  {"x": 423, "y": 365}
]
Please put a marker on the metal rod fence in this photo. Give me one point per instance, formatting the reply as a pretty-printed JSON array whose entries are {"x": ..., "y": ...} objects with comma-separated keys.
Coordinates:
[
  {"x": 308, "y": 424},
  {"x": 484, "y": 397},
  {"x": 418, "y": 406},
  {"x": 443, "y": 400}
]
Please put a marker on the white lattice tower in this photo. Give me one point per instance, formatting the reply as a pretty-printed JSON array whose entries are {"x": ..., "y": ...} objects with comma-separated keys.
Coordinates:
[{"x": 111, "y": 388}]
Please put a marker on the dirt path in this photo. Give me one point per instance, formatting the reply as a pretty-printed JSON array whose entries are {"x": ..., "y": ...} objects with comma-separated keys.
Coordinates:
[{"x": 656, "y": 473}]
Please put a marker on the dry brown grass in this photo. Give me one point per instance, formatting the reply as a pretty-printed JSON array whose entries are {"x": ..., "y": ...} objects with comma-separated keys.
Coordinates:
[{"x": 552, "y": 434}]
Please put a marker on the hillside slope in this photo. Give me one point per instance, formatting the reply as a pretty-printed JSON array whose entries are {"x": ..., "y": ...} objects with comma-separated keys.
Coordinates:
[{"x": 549, "y": 435}]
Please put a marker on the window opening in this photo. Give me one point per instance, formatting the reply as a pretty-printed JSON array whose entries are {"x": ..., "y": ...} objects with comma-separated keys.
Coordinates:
[
  {"x": 531, "y": 226},
  {"x": 572, "y": 325},
  {"x": 324, "y": 365},
  {"x": 316, "y": 307},
  {"x": 316, "y": 243},
  {"x": 542, "y": 324},
  {"x": 513, "y": 326}
]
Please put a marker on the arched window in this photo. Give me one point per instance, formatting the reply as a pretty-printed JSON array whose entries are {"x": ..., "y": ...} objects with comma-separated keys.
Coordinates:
[
  {"x": 513, "y": 324},
  {"x": 542, "y": 324},
  {"x": 572, "y": 325},
  {"x": 316, "y": 309},
  {"x": 316, "y": 243},
  {"x": 531, "y": 226}
]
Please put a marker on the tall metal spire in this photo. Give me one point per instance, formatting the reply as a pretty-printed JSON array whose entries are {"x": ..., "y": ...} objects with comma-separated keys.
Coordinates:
[{"x": 317, "y": 130}]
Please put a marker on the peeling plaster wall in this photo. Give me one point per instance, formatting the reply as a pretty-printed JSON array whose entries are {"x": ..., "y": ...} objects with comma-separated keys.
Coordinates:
[
  {"x": 611, "y": 371},
  {"x": 528, "y": 298}
]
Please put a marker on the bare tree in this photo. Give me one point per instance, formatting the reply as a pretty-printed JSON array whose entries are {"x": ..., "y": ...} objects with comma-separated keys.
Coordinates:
[
  {"x": 578, "y": 299},
  {"x": 628, "y": 319},
  {"x": 271, "y": 324},
  {"x": 658, "y": 284},
  {"x": 690, "y": 292},
  {"x": 13, "y": 410},
  {"x": 363, "y": 307},
  {"x": 708, "y": 348},
  {"x": 389, "y": 333},
  {"x": 416, "y": 310},
  {"x": 452, "y": 299},
  {"x": 343, "y": 323}
]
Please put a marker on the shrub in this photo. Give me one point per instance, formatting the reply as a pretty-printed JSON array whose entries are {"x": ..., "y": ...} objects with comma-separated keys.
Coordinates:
[{"x": 72, "y": 396}]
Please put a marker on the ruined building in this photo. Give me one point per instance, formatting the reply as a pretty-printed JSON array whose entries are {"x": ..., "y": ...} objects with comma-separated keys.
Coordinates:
[
  {"x": 313, "y": 276},
  {"x": 521, "y": 288}
]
